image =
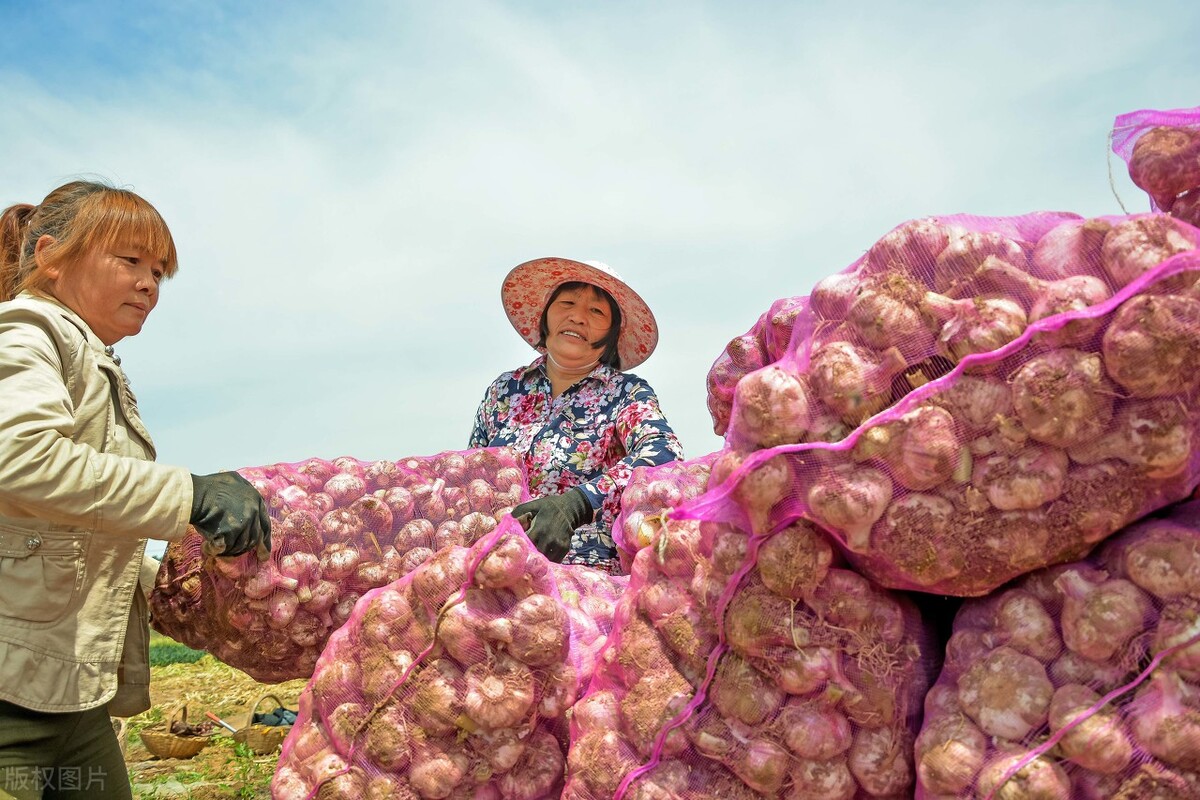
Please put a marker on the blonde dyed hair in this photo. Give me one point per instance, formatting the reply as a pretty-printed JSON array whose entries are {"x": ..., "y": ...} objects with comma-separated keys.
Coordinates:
[{"x": 82, "y": 217}]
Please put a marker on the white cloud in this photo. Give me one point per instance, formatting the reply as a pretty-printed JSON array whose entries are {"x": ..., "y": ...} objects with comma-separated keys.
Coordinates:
[{"x": 348, "y": 186}]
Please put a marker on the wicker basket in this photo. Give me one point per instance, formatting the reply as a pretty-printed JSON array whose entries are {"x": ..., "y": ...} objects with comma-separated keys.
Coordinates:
[
  {"x": 162, "y": 743},
  {"x": 262, "y": 739}
]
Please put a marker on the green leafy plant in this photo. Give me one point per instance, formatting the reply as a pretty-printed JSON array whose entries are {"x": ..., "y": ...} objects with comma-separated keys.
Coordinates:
[
  {"x": 247, "y": 771},
  {"x": 143, "y": 720},
  {"x": 169, "y": 652}
]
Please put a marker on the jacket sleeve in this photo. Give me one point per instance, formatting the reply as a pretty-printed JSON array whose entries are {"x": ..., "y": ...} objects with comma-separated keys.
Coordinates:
[
  {"x": 648, "y": 441},
  {"x": 46, "y": 475}
]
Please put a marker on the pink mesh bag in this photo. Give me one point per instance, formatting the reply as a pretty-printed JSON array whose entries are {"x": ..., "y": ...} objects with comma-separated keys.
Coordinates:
[
  {"x": 742, "y": 355},
  {"x": 1051, "y": 430},
  {"x": 1162, "y": 151},
  {"x": 453, "y": 681},
  {"x": 339, "y": 528},
  {"x": 751, "y": 666},
  {"x": 767, "y": 341},
  {"x": 1078, "y": 682},
  {"x": 925, "y": 296},
  {"x": 649, "y": 495}
]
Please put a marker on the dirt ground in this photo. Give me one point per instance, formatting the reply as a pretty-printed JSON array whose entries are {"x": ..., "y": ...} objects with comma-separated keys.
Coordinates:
[{"x": 224, "y": 768}]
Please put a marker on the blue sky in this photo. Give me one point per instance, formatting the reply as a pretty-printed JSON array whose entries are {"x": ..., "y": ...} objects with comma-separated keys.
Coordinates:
[{"x": 348, "y": 183}]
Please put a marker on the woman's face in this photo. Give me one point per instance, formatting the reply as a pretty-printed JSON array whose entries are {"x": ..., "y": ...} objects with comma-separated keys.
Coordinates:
[
  {"x": 575, "y": 321},
  {"x": 113, "y": 290}
]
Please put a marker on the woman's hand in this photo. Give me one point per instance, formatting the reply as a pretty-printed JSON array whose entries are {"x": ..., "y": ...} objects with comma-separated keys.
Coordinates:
[
  {"x": 230, "y": 514},
  {"x": 551, "y": 520}
]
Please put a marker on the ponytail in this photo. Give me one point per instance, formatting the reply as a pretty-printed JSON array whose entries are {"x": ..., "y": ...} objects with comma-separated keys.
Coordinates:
[
  {"x": 13, "y": 229},
  {"x": 79, "y": 216}
]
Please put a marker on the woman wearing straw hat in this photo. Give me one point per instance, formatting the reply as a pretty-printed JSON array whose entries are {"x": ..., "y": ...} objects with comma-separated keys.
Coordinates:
[{"x": 581, "y": 423}]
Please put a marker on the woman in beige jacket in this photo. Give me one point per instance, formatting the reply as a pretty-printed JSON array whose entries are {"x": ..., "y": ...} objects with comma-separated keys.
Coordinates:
[{"x": 79, "y": 490}]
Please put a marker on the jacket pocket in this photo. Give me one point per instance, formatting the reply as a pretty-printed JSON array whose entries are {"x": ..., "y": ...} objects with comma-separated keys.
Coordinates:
[{"x": 39, "y": 573}]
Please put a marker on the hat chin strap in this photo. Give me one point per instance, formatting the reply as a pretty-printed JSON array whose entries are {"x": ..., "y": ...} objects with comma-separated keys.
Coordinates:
[{"x": 568, "y": 372}]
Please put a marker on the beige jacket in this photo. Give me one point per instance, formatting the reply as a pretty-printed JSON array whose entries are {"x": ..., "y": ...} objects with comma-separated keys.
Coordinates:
[{"x": 79, "y": 496}]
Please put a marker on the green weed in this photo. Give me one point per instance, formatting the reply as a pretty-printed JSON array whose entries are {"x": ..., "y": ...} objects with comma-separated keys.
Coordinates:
[{"x": 168, "y": 652}]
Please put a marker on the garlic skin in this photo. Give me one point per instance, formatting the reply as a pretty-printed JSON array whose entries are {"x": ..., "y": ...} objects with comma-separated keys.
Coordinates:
[
  {"x": 1152, "y": 346},
  {"x": 771, "y": 407}
]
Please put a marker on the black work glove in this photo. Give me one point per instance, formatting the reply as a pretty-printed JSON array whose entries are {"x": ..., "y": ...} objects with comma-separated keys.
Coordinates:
[
  {"x": 551, "y": 520},
  {"x": 230, "y": 514}
]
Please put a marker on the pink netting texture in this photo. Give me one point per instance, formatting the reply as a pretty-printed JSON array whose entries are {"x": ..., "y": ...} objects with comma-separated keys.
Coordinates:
[
  {"x": 1162, "y": 151},
  {"x": 751, "y": 666},
  {"x": 339, "y": 529},
  {"x": 651, "y": 493},
  {"x": 1079, "y": 681},
  {"x": 453, "y": 681},
  {"x": 1042, "y": 415}
]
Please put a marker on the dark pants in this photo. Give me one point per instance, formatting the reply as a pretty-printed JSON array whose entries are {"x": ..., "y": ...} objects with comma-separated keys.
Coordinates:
[{"x": 68, "y": 756}]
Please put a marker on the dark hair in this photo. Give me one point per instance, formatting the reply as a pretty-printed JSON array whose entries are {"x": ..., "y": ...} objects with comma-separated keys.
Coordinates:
[
  {"x": 608, "y": 345},
  {"x": 80, "y": 216}
]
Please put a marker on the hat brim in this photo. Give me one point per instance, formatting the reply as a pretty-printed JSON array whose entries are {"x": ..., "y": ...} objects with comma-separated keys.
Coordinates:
[{"x": 527, "y": 289}]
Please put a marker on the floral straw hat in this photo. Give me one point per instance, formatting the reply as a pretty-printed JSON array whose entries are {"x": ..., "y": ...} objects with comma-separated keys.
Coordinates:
[{"x": 527, "y": 289}]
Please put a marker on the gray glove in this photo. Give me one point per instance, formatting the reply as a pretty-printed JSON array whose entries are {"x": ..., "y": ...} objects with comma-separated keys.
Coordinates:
[
  {"x": 551, "y": 520},
  {"x": 230, "y": 514}
]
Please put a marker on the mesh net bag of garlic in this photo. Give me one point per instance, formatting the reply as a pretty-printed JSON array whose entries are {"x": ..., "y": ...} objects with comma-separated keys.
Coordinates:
[
  {"x": 651, "y": 494},
  {"x": 1162, "y": 152},
  {"x": 454, "y": 681},
  {"x": 749, "y": 666},
  {"x": 1077, "y": 682},
  {"x": 1001, "y": 398},
  {"x": 339, "y": 528},
  {"x": 766, "y": 342}
]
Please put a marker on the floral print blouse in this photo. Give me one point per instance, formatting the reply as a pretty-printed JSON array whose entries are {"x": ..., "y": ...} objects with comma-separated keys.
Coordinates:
[{"x": 589, "y": 437}]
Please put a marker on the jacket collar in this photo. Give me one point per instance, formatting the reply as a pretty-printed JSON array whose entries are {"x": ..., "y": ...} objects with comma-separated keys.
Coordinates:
[{"x": 70, "y": 316}]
